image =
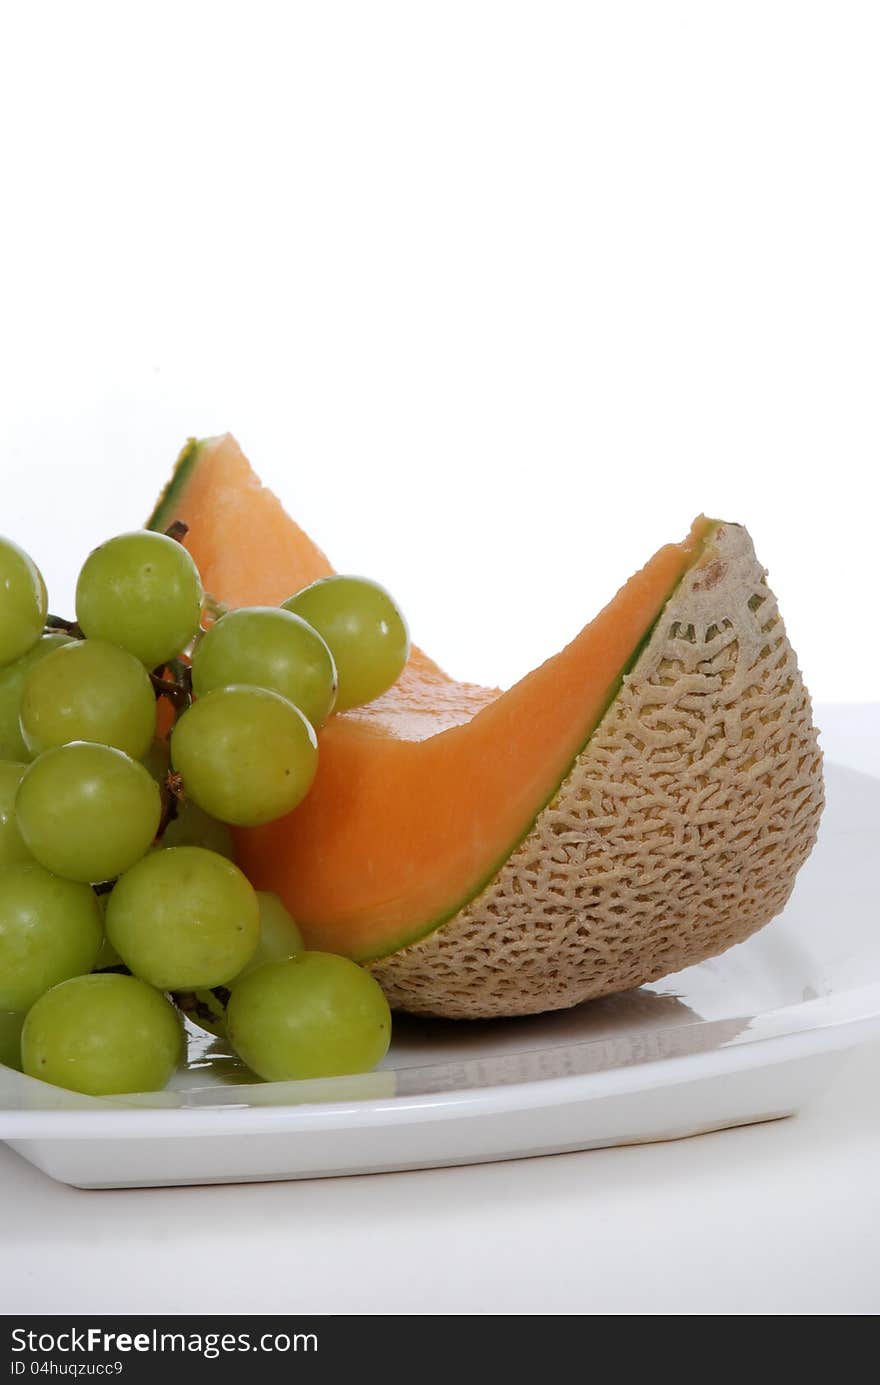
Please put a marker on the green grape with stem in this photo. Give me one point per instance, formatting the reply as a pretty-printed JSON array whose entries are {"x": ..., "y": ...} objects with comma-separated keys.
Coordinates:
[
  {"x": 190, "y": 825},
  {"x": 141, "y": 591}
]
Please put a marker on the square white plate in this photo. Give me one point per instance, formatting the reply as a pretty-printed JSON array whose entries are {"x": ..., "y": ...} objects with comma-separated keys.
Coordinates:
[{"x": 749, "y": 1036}]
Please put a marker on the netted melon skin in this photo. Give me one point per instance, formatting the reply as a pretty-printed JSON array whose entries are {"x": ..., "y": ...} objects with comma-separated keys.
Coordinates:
[{"x": 678, "y": 832}]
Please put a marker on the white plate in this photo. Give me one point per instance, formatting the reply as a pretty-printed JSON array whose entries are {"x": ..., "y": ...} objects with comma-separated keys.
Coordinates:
[{"x": 746, "y": 1037}]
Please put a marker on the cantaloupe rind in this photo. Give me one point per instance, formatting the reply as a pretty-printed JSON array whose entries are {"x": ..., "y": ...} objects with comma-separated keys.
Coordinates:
[
  {"x": 677, "y": 833},
  {"x": 682, "y": 815},
  {"x": 163, "y": 511}
]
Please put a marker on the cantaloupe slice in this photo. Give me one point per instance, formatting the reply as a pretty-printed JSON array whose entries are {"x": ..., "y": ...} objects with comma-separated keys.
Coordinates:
[{"x": 639, "y": 802}]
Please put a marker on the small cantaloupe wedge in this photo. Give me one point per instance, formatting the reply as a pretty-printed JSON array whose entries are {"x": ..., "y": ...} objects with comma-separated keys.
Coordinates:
[{"x": 639, "y": 802}]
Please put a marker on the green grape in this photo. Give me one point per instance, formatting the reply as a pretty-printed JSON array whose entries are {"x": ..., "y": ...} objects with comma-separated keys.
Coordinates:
[
  {"x": 194, "y": 827},
  {"x": 364, "y": 629},
  {"x": 10, "y": 1039},
  {"x": 12, "y": 681},
  {"x": 87, "y": 812},
  {"x": 89, "y": 691},
  {"x": 108, "y": 956},
  {"x": 246, "y": 754},
  {"x": 12, "y": 847},
  {"x": 49, "y": 929},
  {"x": 267, "y": 647},
  {"x": 279, "y": 938},
  {"x": 316, "y": 1015},
  {"x": 184, "y": 919},
  {"x": 102, "y": 1035},
  {"x": 279, "y": 935},
  {"x": 143, "y": 592},
  {"x": 23, "y": 602}
]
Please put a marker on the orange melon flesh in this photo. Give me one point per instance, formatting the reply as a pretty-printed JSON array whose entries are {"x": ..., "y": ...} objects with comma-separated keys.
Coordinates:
[{"x": 420, "y": 797}]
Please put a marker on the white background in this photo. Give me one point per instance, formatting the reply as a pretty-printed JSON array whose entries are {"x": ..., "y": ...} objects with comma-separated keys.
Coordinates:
[{"x": 497, "y": 297}]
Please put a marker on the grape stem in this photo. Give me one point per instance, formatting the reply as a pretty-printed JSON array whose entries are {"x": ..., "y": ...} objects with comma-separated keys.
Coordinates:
[
  {"x": 177, "y": 531},
  {"x": 70, "y": 627},
  {"x": 173, "y": 797},
  {"x": 181, "y": 672},
  {"x": 177, "y": 687},
  {"x": 177, "y": 693},
  {"x": 212, "y": 609}
]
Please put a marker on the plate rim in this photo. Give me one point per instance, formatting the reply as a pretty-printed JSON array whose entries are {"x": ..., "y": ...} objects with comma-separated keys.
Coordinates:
[
  {"x": 834, "y": 1021},
  {"x": 535, "y": 1094}
]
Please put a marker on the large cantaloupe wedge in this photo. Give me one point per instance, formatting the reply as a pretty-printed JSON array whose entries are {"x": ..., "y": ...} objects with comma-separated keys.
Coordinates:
[{"x": 638, "y": 803}]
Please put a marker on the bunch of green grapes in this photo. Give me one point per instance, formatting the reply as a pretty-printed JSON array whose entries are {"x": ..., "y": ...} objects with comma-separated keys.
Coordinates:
[{"x": 118, "y": 886}]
